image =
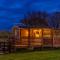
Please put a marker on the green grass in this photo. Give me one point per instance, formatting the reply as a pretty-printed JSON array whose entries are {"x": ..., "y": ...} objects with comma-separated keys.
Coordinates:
[{"x": 34, "y": 55}]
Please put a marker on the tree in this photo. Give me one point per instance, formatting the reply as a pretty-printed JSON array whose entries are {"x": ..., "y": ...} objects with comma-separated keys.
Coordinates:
[
  {"x": 55, "y": 19},
  {"x": 36, "y": 19}
]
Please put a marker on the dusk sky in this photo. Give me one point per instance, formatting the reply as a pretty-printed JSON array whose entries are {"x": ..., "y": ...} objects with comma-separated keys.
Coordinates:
[{"x": 11, "y": 11}]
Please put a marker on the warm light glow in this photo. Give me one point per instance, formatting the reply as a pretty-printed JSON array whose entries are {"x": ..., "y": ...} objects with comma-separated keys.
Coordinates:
[
  {"x": 24, "y": 33},
  {"x": 37, "y": 33},
  {"x": 47, "y": 33}
]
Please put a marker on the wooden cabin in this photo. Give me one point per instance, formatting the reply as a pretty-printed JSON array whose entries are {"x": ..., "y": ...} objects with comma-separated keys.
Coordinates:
[{"x": 33, "y": 37}]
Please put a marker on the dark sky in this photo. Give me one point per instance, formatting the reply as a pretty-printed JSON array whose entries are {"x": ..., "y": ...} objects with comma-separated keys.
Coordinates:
[{"x": 11, "y": 11}]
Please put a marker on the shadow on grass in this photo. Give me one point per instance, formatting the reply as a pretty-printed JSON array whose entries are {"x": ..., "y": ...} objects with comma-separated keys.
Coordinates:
[{"x": 35, "y": 49}]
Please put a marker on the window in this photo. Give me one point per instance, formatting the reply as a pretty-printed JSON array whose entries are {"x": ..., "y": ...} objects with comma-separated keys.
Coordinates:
[
  {"x": 36, "y": 33},
  {"x": 47, "y": 33},
  {"x": 24, "y": 32}
]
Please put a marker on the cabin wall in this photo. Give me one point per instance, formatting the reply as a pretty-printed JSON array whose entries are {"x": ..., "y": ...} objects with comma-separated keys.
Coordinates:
[
  {"x": 47, "y": 37},
  {"x": 37, "y": 37},
  {"x": 56, "y": 38}
]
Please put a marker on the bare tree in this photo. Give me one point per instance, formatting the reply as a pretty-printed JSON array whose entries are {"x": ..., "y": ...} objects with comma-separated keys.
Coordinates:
[
  {"x": 36, "y": 19},
  {"x": 55, "y": 19}
]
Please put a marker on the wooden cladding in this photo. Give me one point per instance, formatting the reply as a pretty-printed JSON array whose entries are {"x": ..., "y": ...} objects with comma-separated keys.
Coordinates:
[{"x": 33, "y": 37}]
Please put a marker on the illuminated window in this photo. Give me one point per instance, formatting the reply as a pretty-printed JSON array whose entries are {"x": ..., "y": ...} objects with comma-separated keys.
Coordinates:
[
  {"x": 24, "y": 33},
  {"x": 47, "y": 33},
  {"x": 37, "y": 33}
]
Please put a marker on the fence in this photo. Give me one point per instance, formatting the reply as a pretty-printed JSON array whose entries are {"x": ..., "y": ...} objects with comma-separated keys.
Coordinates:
[
  {"x": 4, "y": 47},
  {"x": 6, "y": 43}
]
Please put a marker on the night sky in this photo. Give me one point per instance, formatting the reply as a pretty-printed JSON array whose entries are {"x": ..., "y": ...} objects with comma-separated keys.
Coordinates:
[{"x": 11, "y": 11}]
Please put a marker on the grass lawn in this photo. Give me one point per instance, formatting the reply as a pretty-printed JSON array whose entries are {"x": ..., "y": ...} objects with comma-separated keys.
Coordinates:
[{"x": 34, "y": 55}]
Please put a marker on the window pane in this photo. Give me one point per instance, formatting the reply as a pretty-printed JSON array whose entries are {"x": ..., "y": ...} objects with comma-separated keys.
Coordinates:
[
  {"x": 24, "y": 32},
  {"x": 36, "y": 33},
  {"x": 47, "y": 33}
]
